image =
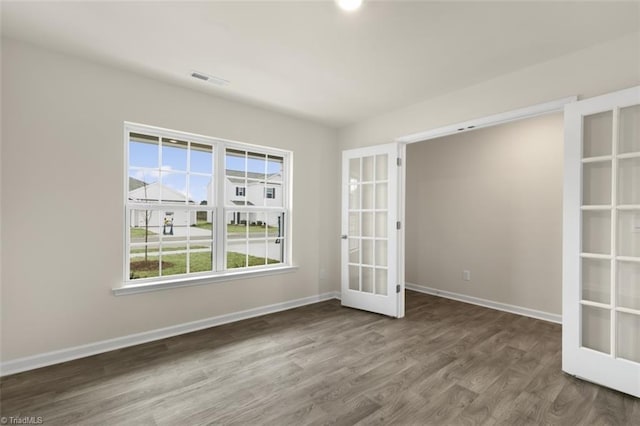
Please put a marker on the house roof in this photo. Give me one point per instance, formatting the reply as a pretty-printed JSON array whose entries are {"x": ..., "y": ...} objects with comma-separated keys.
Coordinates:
[{"x": 135, "y": 183}]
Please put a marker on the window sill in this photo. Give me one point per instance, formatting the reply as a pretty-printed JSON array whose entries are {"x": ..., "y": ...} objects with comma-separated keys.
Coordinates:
[{"x": 186, "y": 282}]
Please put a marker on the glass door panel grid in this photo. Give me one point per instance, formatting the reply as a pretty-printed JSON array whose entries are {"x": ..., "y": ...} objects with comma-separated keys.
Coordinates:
[
  {"x": 610, "y": 253},
  {"x": 368, "y": 224}
]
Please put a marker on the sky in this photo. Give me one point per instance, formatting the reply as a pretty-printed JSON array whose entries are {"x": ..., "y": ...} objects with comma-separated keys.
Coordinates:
[{"x": 144, "y": 161}]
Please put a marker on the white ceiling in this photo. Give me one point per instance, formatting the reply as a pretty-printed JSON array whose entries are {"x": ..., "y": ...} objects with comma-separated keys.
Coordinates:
[{"x": 314, "y": 60}]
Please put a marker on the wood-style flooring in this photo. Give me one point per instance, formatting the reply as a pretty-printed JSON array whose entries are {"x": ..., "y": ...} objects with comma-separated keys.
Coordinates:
[{"x": 446, "y": 363}]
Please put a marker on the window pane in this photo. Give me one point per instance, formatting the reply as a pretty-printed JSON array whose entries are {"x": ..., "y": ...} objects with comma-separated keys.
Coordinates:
[
  {"x": 173, "y": 188},
  {"x": 367, "y": 196},
  {"x": 275, "y": 167},
  {"x": 200, "y": 257},
  {"x": 174, "y": 154},
  {"x": 629, "y": 285},
  {"x": 236, "y": 254},
  {"x": 367, "y": 252},
  {"x": 275, "y": 251},
  {"x": 143, "y": 185},
  {"x": 144, "y": 226},
  {"x": 174, "y": 258},
  {"x": 202, "y": 229},
  {"x": 143, "y": 151},
  {"x": 258, "y": 253},
  {"x": 256, "y": 166},
  {"x": 354, "y": 277},
  {"x": 235, "y": 162},
  {"x": 237, "y": 225},
  {"x": 629, "y": 181},
  {"x": 628, "y": 336},
  {"x": 201, "y": 190},
  {"x": 275, "y": 224},
  {"x": 201, "y": 158},
  {"x": 176, "y": 224},
  {"x": 367, "y": 224},
  {"x": 144, "y": 261}
]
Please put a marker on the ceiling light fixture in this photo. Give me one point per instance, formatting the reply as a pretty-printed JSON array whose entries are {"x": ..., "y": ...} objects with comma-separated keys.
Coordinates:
[{"x": 349, "y": 5}]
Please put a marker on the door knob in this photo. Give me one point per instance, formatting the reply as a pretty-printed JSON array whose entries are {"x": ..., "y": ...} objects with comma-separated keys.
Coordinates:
[{"x": 344, "y": 237}]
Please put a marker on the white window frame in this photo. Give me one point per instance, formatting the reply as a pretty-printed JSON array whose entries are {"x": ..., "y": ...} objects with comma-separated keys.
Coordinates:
[{"x": 219, "y": 209}]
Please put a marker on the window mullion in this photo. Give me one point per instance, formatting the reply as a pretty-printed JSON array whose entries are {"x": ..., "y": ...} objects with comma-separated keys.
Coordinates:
[{"x": 220, "y": 216}]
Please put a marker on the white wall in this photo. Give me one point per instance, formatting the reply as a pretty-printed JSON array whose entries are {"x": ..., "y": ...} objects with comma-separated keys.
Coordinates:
[
  {"x": 62, "y": 156},
  {"x": 600, "y": 69},
  {"x": 489, "y": 201}
]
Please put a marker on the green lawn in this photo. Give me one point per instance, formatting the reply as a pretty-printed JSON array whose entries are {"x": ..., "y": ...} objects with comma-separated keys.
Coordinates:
[
  {"x": 237, "y": 229},
  {"x": 174, "y": 248},
  {"x": 177, "y": 264},
  {"x": 139, "y": 233}
]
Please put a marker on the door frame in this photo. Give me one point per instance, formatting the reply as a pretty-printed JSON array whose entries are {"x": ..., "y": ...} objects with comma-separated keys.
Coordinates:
[{"x": 531, "y": 111}]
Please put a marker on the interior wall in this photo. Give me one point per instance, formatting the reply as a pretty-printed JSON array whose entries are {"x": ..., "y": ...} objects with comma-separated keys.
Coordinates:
[
  {"x": 600, "y": 69},
  {"x": 489, "y": 201},
  {"x": 62, "y": 201}
]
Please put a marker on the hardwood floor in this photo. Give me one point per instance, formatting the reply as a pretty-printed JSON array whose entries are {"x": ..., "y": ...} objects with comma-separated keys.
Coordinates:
[{"x": 445, "y": 363}]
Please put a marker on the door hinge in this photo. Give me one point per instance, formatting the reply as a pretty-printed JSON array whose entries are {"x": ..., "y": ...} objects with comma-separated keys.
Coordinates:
[
  {"x": 398, "y": 225},
  {"x": 398, "y": 288},
  {"x": 399, "y": 161}
]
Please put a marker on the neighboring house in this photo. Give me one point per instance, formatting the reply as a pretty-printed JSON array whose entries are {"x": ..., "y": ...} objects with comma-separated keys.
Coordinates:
[
  {"x": 152, "y": 192},
  {"x": 254, "y": 191}
]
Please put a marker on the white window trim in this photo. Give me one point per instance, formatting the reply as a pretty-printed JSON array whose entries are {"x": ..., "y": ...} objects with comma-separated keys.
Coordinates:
[{"x": 219, "y": 210}]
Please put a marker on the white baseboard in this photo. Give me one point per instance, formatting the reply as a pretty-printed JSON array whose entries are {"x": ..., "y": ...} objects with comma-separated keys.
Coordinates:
[
  {"x": 546, "y": 316},
  {"x": 49, "y": 358}
]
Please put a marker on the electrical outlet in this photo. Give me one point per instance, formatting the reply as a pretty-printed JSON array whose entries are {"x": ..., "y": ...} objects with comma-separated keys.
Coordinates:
[{"x": 466, "y": 275}]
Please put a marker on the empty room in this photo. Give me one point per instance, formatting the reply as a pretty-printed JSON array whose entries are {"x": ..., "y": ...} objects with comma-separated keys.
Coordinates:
[{"x": 320, "y": 212}]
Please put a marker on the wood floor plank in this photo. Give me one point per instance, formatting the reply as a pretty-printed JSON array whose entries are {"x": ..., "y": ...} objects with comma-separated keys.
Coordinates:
[{"x": 446, "y": 362}]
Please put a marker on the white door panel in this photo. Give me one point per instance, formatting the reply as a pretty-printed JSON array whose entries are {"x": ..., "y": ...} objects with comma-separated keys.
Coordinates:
[
  {"x": 370, "y": 238},
  {"x": 601, "y": 277}
]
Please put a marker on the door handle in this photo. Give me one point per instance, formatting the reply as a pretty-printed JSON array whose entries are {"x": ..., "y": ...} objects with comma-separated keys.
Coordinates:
[{"x": 344, "y": 237}]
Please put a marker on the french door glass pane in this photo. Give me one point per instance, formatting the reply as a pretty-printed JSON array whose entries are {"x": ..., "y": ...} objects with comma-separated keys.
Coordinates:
[
  {"x": 368, "y": 169},
  {"x": 629, "y": 285},
  {"x": 367, "y": 196},
  {"x": 367, "y": 279},
  {"x": 629, "y": 181},
  {"x": 354, "y": 224},
  {"x": 381, "y": 167},
  {"x": 629, "y": 135},
  {"x": 629, "y": 233},
  {"x": 381, "y": 252},
  {"x": 354, "y": 277},
  {"x": 628, "y": 338},
  {"x": 381, "y": 224},
  {"x": 596, "y": 329},
  {"x": 381, "y": 281},
  {"x": 596, "y": 280},
  {"x": 596, "y": 232},
  {"x": 367, "y": 224},
  {"x": 597, "y": 134},
  {"x": 596, "y": 183},
  {"x": 354, "y": 196},
  {"x": 354, "y": 250},
  {"x": 381, "y": 196},
  {"x": 354, "y": 170},
  {"x": 367, "y": 252}
]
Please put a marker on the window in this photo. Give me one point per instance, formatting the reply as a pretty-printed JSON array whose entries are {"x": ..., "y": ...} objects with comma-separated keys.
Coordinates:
[
  {"x": 270, "y": 193},
  {"x": 195, "y": 206}
]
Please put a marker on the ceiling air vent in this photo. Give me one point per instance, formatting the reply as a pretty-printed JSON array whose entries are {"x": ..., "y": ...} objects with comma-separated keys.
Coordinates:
[{"x": 209, "y": 78}]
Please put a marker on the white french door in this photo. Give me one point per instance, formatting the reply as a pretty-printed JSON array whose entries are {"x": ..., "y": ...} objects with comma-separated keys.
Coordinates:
[
  {"x": 372, "y": 255},
  {"x": 601, "y": 277}
]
